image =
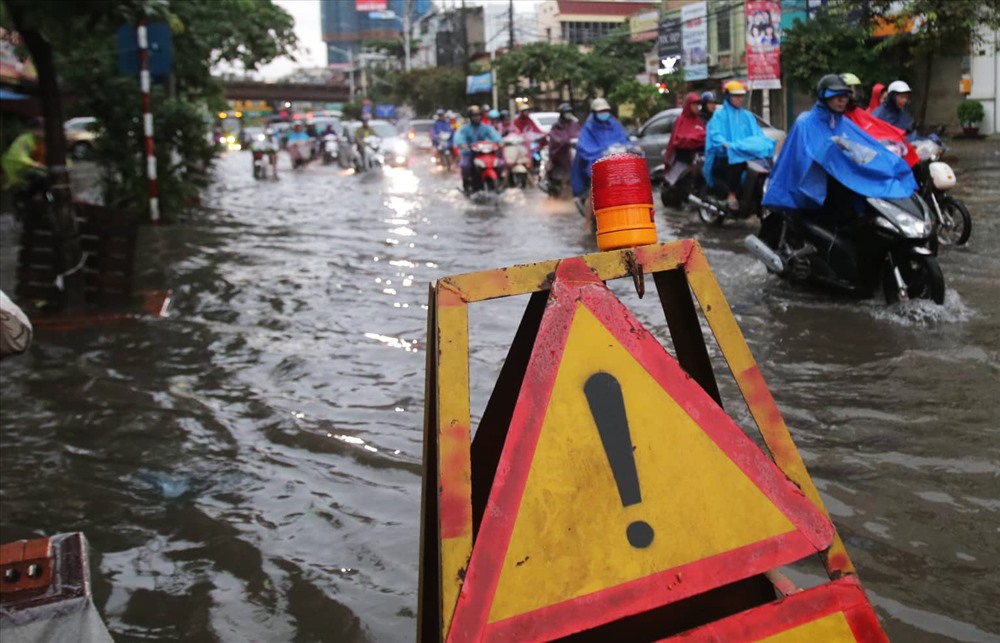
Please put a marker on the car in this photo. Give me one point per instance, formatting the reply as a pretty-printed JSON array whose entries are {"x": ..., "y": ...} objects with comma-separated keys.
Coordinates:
[
  {"x": 80, "y": 135},
  {"x": 654, "y": 135},
  {"x": 322, "y": 122},
  {"x": 544, "y": 120},
  {"x": 419, "y": 134}
]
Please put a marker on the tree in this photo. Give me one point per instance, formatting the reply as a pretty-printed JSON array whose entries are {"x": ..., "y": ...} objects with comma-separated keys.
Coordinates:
[
  {"x": 427, "y": 89},
  {"x": 932, "y": 27},
  {"x": 613, "y": 58},
  {"x": 539, "y": 62},
  {"x": 645, "y": 100},
  {"x": 828, "y": 43}
]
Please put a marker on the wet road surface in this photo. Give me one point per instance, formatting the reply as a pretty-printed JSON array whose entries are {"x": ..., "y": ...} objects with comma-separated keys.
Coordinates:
[{"x": 249, "y": 467}]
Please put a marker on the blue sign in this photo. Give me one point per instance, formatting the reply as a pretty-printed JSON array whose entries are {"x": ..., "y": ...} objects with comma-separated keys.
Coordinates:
[
  {"x": 385, "y": 111},
  {"x": 161, "y": 50},
  {"x": 479, "y": 83}
]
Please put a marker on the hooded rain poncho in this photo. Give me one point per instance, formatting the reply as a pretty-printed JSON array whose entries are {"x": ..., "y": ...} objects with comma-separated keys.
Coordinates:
[
  {"x": 738, "y": 128},
  {"x": 823, "y": 144},
  {"x": 595, "y": 138}
]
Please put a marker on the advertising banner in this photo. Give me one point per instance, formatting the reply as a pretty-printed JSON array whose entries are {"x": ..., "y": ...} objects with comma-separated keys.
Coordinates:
[
  {"x": 643, "y": 26},
  {"x": 694, "y": 35},
  {"x": 370, "y": 5},
  {"x": 763, "y": 24},
  {"x": 668, "y": 44},
  {"x": 479, "y": 83}
]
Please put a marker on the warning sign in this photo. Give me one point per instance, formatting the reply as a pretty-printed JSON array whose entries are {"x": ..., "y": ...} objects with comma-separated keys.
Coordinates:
[
  {"x": 622, "y": 486},
  {"x": 837, "y": 612}
]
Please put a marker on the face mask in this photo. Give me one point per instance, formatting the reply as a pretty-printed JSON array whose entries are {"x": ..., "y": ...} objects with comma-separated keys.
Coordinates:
[{"x": 603, "y": 116}]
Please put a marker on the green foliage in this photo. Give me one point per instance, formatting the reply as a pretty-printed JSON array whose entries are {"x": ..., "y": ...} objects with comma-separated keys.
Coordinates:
[
  {"x": 941, "y": 27},
  {"x": 645, "y": 100},
  {"x": 394, "y": 48},
  {"x": 829, "y": 43},
  {"x": 613, "y": 58},
  {"x": 970, "y": 113},
  {"x": 539, "y": 62},
  {"x": 427, "y": 89}
]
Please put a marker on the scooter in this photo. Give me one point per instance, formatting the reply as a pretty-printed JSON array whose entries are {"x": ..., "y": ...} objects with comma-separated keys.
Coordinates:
[
  {"x": 515, "y": 156},
  {"x": 553, "y": 177},
  {"x": 888, "y": 244},
  {"x": 682, "y": 180},
  {"x": 329, "y": 149},
  {"x": 445, "y": 154},
  {"x": 711, "y": 203},
  {"x": 485, "y": 175},
  {"x": 370, "y": 155},
  {"x": 953, "y": 223}
]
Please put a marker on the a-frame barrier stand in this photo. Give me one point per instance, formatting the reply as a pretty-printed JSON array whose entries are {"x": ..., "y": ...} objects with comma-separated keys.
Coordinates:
[{"x": 522, "y": 535}]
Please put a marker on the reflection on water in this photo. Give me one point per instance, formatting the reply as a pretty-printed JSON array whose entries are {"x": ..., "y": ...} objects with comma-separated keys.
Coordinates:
[{"x": 249, "y": 468}]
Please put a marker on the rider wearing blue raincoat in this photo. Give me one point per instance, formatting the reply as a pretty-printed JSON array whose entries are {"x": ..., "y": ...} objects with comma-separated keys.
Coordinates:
[
  {"x": 827, "y": 159},
  {"x": 733, "y": 137},
  {"x": 601, "y": 131}
]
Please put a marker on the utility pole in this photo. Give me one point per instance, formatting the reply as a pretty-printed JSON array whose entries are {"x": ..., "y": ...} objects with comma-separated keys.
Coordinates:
[
  {"x": 465, "y": 41},
  {"x": 510, "y": 25},
  {"x": 407, "y": 9}
]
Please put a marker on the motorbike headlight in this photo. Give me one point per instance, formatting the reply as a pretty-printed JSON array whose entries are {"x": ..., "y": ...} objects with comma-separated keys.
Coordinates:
[
  {"x": 230, "y": 139},
  {"x": 895, "y": 218},
  {"x": 401, "y": 148}
]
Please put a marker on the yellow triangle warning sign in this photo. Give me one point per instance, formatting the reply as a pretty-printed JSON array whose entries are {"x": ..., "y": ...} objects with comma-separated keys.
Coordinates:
[{"x": 622, "y": 485}]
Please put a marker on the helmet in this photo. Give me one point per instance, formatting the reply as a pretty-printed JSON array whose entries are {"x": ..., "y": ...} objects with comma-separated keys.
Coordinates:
[
  {"x": 850, "y": 79},
  {"x": 439, "y": 112},
  {"x": 523, "y": 107},
  {"x": 709, "y": 97},
  {"x": 734, "y": 88},
  {"x": 504, "y": 114},
  {"x": 898, "y": 87},
  {"x": 473, "y": 110},
  {"x": 599, "y": 105},
  {"x": 486, "y": 107},
  {"x": 831, "y": 85},
  {"x": 565, "y": 107},
  {"x": 494, "y": 114}
]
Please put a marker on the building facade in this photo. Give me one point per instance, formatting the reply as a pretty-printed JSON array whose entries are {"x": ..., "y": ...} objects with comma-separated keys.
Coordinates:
[
  {"x": 345, "y": 28},
  {"x": 583, "y": 22}
]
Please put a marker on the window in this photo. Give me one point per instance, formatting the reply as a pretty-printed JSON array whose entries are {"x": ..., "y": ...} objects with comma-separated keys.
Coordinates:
[
  {"x": 660, "y": 126},
  {"x": 722, "y": 28}
]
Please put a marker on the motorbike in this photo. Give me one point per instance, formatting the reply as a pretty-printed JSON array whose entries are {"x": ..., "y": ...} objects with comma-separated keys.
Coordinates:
[
  {"x": 300, "y": 152},
  {"x": 711, "y": 203},
  {"x": 330, "y": 146},
  {"x": 553, "y": 176},
  {"x": 444, "y": 152},
  {"x": 682, "y": 180},
  {"x": 888, "y": 244},
  {"x": 370, "y": 156},
  {"x": 485, "y": 175},
  {"x": 516, "y": 158},
  {"x": 953, "y": 223}
]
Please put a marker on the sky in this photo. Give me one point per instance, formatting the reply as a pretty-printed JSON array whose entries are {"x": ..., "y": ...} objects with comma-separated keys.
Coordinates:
[{"x": 307, "y": 28}]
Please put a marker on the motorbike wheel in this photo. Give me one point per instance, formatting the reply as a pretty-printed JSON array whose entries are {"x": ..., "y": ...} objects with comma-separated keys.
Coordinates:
[
  {"x": 521, "y": 180},
  {"x": 956, "y": 222},
  {"x": 446, "y": 162},
  {"x": 922, "y": 276},
  {"x": 709, "y": 216},
  {"x": 258, "y": 171}
]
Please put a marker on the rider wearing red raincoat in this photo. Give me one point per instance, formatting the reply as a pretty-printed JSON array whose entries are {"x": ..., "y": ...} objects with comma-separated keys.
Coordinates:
[{"x": 688, "y": 136}]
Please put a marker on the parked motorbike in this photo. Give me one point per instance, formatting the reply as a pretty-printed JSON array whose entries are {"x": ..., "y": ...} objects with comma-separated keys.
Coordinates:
[
  {"x": 889, "y": 244},
  {"x": 444, "y": 152},
  {"x": 711, "y": 203},
  {"x": 485, "y": 175},
  {"x": 516, "y": 158},
  {"x": 953, "y": 223},
  {"x": 330, "y": 145}
]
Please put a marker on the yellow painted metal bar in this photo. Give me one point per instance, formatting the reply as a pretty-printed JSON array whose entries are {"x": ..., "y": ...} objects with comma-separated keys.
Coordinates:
[
  {"x": 756, "y": 394},
  {"x": 454, "y": 444},
  {"x": 532, "y": 277}
]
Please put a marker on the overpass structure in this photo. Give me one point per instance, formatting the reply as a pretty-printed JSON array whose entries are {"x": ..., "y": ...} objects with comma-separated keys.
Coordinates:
[{"x": 280, "y": 92}]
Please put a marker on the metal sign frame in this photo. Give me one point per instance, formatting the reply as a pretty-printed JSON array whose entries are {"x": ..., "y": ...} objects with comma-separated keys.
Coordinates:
[{"x": 458, "y": 471}]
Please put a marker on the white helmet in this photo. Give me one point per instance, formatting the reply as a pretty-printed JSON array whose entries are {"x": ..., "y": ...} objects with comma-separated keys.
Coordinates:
[
  {"x": 599, "y": 104},
  {"x": 899, "y": 87}
]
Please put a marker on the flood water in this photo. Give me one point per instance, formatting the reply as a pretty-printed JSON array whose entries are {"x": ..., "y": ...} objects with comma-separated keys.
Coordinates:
[{"x": 248, "y": 468}]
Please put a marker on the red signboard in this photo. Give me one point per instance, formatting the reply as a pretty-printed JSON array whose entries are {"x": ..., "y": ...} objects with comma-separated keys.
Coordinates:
[
  {"x": 763, "y": 33},
  {"x": 371, "y": 5}
]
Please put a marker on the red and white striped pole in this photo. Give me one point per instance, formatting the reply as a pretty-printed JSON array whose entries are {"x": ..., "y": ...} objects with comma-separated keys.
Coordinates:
[{"x": 147, "y": 122}]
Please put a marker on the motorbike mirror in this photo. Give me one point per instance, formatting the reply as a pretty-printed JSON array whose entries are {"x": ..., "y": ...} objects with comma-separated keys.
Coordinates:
[{"x": 632, "y": 137}]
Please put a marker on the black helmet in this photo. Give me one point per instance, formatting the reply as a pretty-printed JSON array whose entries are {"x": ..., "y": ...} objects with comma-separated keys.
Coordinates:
[
  {"x": 565, "y": 107},
  {"x": 504, "y": 114},
  {"x": 708, "y": 97},
  {"x": 830, "y": 86},
  {"x": 474, "y": 110}
]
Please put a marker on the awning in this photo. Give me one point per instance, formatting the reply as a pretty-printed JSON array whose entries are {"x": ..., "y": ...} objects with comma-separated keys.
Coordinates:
[{"x": 6, "y": 94}]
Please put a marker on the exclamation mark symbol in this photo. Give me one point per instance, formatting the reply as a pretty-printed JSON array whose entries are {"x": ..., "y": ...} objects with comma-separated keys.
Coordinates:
[{"x": 604, "y": 394}]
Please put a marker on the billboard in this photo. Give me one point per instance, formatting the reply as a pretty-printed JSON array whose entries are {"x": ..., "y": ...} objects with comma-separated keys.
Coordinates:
[
  {"x": 763, "y": 26},
  {"x": 694, "y": 34},
  {"x": 371, "y": 5}
]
